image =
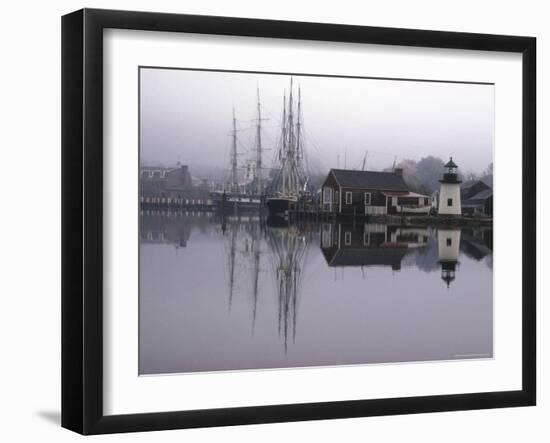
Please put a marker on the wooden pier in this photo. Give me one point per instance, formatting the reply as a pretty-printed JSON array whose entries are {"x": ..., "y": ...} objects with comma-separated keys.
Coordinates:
[
  {"x": 311, "y": 211},
  {"x": 177, "y": 204}
]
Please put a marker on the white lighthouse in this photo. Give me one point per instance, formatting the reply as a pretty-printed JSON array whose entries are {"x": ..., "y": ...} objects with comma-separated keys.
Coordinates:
[{"x": 449, "y": 193}]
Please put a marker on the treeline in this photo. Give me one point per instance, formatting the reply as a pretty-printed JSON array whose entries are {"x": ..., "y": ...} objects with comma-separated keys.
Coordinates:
[{"x": 423, "y": 176}]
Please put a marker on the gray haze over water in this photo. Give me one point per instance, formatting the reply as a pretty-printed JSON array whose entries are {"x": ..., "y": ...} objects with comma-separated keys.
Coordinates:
[{"x": 186, "y": 116}]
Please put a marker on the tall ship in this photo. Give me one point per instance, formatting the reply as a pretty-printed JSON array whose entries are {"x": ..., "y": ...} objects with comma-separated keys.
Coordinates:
[
  {"x": 244, "y": 186},
  {"x": 290, "y": 182}
]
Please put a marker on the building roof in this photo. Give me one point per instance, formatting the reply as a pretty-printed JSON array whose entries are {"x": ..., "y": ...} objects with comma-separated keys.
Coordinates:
[
  {"x": 482, "y": 195},
  {"x": 395, "y": 193},
  {"x": 404, "y": 194},
  {"x": 469, "y": 183},
  {"x": 451, "y": 164},
  {"x": 387, "y": 181},
  {"x": 486, "y": 193},
  {"x": 472, "y": 188}
]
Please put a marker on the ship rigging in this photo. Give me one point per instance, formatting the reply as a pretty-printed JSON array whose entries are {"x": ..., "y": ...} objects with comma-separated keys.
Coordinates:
[
  {"x": 247, "y": 194},
  {"x": 290, "y": 183}
]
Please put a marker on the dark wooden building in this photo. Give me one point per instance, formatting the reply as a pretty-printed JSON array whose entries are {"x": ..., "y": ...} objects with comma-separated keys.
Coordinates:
[
  {"x": 360, "y": 193},
  {"x": 477, "y": 198}
]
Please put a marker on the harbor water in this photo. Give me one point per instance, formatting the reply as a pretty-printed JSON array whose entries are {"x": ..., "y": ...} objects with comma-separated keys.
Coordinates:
[{"x": 236, "y": 293}]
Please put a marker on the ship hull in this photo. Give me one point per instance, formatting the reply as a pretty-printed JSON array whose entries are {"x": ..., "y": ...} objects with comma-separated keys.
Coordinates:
[
  {"x": 278, "y": 207},
  {"x": 237, "y": 203}
]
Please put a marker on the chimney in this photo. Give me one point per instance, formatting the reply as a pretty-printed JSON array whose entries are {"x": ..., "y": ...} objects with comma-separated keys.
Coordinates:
[{"x": 398, "y": 172}]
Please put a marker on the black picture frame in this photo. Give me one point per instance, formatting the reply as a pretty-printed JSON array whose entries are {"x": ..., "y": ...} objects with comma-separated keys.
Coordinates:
[{"x": 82, "y": 215}]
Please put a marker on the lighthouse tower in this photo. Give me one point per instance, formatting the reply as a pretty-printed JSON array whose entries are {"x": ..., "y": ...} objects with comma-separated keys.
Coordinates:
[{"x": 449, "y": 194}]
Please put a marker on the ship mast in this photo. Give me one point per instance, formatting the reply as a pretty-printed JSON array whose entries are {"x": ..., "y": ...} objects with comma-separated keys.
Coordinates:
[
  {"x": 290, "y": 118},
  {"x": 234, "y": 180},
  {"x": 291, "y": 179},
  {"x": 259, "y": 146},
  {"x": 282, "y": 152},
  {"x": 298, "y": 125},
  {"x": 290, "y": 143}
]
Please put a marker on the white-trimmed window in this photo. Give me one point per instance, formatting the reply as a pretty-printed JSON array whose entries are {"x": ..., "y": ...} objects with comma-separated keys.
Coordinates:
[
  {"x": 367, "y": 198},
  {"x": 347, "y": 238},
  {"x": 327, "y": 195},
  {"x": 348, "y": 198},
  {"x": 366, "y": 238}
]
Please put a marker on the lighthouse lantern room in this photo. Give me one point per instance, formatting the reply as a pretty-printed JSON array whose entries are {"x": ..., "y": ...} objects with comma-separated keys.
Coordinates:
[{"x": 449, "y": 194}]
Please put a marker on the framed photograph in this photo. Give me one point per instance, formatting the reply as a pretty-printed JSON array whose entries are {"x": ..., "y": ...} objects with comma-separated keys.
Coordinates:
[{"x": 269, "y": 221}]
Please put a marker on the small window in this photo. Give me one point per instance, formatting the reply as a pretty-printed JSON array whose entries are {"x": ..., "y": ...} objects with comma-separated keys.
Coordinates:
[
  {"x": 327, "y": 195},
  {"x": 449, "y": 202},
  {"x": 366, "y": 238},
  {"x": 367, "y": 198},
  {"x": 347, "y": 238},
  {"x": 348, "y": 198},
  {"x": 449, "y": 241},
  {"x": 336, "y": 197}
]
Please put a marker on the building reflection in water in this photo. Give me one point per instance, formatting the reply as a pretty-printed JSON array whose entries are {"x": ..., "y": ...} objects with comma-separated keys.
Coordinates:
[
  {"x": 365, "y": 245},
  {"x": 254, "y": 247}
]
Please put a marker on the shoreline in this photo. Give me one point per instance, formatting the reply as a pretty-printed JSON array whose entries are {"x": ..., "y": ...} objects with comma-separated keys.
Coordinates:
[{"x": 432, "y": 220}]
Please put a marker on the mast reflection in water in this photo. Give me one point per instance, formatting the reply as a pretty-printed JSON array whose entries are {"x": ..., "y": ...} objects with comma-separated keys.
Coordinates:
[{"x": 242, "y": 293}]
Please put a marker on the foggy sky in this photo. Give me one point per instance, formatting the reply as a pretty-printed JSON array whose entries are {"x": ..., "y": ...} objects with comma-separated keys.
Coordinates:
[{"x": 186, "y": 116}]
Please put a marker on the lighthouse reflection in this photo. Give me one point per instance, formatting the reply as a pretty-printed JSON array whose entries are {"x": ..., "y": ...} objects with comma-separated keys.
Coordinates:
[
  {"x": 448, "y": 242},
  {"x": 283, "y": 295}
]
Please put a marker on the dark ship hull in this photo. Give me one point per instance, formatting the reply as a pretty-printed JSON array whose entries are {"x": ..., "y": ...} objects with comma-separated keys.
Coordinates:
[
  {"x": 237, "y": 202},
  {"x": 279, "y": 206}
]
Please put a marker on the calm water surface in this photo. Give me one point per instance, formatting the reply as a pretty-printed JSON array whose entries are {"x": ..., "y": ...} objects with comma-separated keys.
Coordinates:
[{"x": 241, "y": 293}]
